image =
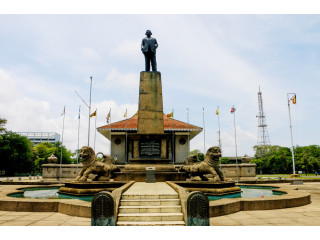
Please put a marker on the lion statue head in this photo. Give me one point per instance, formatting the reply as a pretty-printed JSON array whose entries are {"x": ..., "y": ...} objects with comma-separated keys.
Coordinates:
[
  {"x": 213, "y": 152},
  {"x": 87, "y": 154}
]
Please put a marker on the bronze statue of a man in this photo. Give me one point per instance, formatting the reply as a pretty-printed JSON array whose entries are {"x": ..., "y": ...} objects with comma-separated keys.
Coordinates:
[{"x": 148, "y": 48}]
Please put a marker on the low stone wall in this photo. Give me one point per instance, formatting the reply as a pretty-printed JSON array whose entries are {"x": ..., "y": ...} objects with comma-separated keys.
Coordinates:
[
  {"x": 245, "y": 170},
  {"x": 72, "y": 207},
  {"x": 52, "y": 171},
  {"x": 117, "y": 194},
  {"x": 292, "y": 198},
  {"x": 183, "y": 195}
]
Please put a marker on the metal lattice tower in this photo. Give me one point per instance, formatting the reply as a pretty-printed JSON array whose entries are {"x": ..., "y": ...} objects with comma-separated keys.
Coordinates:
[{"x": 263, "y": 136}]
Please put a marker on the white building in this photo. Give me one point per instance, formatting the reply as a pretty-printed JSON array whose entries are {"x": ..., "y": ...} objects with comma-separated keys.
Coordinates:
[{"x": 39, "y": 137}]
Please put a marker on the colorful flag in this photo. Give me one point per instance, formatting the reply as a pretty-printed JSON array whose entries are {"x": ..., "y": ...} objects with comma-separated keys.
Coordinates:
[
  {"x": 217, "y": 111},
  {"x": 170, "y": 115},
  {"x": 233, "y": 109},
  {"x": 202, "y": 111},
  {"x": 108, "y": 116},
  {"x": 79, "y": 112},
  {"x": 64, "y": 111},
  {"x": 293, "y": 99},
  {"x": 125, "y": 114},
  {"x": 94, "y": 113}
]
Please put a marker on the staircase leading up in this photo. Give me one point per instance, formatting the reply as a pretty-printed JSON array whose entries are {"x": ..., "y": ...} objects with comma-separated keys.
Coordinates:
[{"x": 150, "y": 204}]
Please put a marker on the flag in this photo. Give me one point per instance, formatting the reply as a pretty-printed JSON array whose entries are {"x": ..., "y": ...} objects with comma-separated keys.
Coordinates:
[
  {"x": 64, "y": 111},
  {"x": 170, "y": 115},
  {"x": 293, "y": 99},
  {"x": 125, "y": 114},
  {"x": 94, "y": 113},
  {"x": 202, "y": 112},
  {"x": 108, "y": 116},
  {"x": 217, "y": 111},
  {"x": 233, "y": 109},
  {"x": 79, "y": 112}
]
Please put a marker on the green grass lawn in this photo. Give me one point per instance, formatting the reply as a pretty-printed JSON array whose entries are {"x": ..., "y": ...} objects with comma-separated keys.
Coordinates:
[{"x": 302, "y": 176}]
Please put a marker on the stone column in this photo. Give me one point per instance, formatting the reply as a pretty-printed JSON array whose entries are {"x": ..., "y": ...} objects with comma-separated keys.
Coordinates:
[{"x": 150, "y": 112}]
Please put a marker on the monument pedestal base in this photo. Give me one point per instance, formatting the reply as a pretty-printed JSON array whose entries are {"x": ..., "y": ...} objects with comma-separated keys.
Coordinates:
[
  {"x": 137, "y": 172},
  {"x": 141, "y": 176},
  {"x": 149, "y": 161}
]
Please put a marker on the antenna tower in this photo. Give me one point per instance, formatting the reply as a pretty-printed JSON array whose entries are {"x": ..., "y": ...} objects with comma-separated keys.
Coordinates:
[{"x": 263, "y": 136}]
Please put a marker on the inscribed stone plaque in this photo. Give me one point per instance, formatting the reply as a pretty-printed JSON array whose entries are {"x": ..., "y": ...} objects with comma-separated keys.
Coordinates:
[{"x": 150, "y": 148}]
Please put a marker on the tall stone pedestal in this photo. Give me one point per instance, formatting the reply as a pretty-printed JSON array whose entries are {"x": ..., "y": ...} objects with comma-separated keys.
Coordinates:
[{"x": 150, "y": 114}]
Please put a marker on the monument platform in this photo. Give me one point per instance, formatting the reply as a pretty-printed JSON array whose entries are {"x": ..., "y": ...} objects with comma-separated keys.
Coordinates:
[
  {"x": 89, "y": 188},
  {"x": 149, "y": 161},
  {"x": 137, "y": 172}
]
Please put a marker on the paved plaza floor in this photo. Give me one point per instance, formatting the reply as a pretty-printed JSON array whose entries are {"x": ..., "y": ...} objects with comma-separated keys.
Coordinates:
[{"x": 308, "y": 215}]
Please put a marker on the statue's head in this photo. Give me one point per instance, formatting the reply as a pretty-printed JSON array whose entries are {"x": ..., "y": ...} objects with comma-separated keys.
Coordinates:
[
  {"x": 86, "y": 153},
  {"x": 148, "y": 33},
  {"x": 214, "y": 152}
]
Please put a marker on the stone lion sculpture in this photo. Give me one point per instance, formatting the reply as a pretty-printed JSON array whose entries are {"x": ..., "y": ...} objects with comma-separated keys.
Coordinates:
[
  {"x": 210, "y": 165},
  {"x": 103, "y": 170}
]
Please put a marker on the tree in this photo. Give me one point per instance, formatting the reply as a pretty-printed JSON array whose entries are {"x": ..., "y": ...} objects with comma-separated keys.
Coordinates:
[
  {"x": 2, "y": 128},
  {"x": 277, "y": 159},
  {"x": 42, "y": 152},
  {"x": 15, "y": 154},
  {"x": 66, "y": 154},
  {"x": 2, "y": 123}
]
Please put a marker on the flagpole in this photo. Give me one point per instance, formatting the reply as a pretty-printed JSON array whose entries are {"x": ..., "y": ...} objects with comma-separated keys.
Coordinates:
[
  {"x": 235, "y": 140},
  {"x": 204, "y": 133},
  {"x": 126, "y": 137},
  {"x": 89, "y": 111},
  {"x": 78, "y": 138},
  {"x": 64, "y": 114},
  {"x": 219, "y": 140},
  {"x": 173, "y": 152},
  {"x": 189, "y": 132},
  {"x": 292, "y": 151},
  {"x": 95, "y": 133},
  {"x": 110, "y": 131}
]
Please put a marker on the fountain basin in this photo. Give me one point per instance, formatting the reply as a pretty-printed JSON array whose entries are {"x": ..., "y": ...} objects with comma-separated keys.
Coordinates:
[
  {"x": 89, "y": 188},
  {"x": 55, "y": 193}
]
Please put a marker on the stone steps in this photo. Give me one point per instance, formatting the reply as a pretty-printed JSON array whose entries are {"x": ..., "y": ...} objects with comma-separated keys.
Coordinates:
[
  {"x": 150, "y": 202},
  {"x": 153, "y": 223},
  {"x": 150, "y": 209},
  {"x": 153, "y": 196},
  {"x": 139, "y": 217}
]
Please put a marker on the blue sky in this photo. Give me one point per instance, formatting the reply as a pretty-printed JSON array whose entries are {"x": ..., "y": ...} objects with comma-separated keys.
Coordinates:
[{"x": 205, "y": 61}]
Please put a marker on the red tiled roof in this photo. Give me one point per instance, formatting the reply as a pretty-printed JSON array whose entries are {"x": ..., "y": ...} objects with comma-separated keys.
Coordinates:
[{"x": 132, "y": 124}]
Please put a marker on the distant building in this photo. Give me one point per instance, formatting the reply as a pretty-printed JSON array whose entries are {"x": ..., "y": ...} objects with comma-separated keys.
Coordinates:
[{"x": 39, "y": 137}]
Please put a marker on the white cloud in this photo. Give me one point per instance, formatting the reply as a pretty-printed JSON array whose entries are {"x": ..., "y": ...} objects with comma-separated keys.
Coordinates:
[
  {"x": 128, "y": 50},
  {"x": 123, "y": 80},
  {"x": 28, "y": 114},
  {"x": 91, "y": 54}
]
